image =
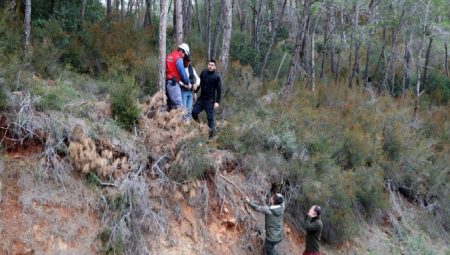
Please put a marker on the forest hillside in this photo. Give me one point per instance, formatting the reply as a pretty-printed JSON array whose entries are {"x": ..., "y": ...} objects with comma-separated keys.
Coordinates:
[{"x": 342, "y": 104}]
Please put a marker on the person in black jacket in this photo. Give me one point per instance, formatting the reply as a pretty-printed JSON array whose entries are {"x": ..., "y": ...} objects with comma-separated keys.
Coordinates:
[{"x": 211, "y": 91}]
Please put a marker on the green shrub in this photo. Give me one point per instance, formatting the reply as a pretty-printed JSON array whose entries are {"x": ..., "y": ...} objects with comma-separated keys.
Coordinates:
[
  {"x": 370, "y": 194},
  {"x": 354, "y": 151},
  {"x": 242, "y": 50},
  {"x": 3, "y": 99},
  {"x": 93, "y": 179},
  {"x": 284, "y": 140},
  {"x": 54, "y": 97},
  {"x": 113, "y": 246},
  {"x": 191, "y": 163},
  {"x": 49, "y": 43},
  {"x": 228, "y": 138},
  {"x": 438, "y": 87},
  {"x": 335, "y": 192},
  {"x": 10, "y": 37},
  {"x": 393, "y": 146},
  {"x": 124, "y": 106}
]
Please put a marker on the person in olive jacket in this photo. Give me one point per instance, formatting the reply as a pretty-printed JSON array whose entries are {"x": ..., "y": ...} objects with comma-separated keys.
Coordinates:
[
  {"x": 313, "y": 227},
  {"x": 274, "y": 214}
]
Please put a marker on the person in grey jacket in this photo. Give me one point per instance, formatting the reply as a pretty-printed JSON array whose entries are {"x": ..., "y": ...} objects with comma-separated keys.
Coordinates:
[{"x": 274, "y": 213}]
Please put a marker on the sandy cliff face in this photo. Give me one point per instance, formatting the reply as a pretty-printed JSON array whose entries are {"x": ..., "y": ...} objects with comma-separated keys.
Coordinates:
[{"x": 38, "y": 217}]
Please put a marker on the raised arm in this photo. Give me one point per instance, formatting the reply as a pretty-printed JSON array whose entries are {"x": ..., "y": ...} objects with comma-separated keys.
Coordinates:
[
  {"x": 311, "y": 225},
  {"x": 262, "y": 209}
]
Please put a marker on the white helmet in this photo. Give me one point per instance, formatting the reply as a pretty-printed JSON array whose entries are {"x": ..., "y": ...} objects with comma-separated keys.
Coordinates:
[{"x": 184, "y": 47}]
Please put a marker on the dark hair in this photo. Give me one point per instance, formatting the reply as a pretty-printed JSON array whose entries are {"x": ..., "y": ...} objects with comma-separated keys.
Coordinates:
[
  {"x": 212, "y": 60},
  {"x": 317, "y": 210},
  {"x": 187, "y": 58},
  {"x": 278, "y": 199}
]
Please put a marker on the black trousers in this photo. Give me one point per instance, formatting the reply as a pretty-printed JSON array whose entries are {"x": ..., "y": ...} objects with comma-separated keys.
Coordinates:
[
  {"x": 207, "y": 105},
  {"x": 270, "y": 247}
]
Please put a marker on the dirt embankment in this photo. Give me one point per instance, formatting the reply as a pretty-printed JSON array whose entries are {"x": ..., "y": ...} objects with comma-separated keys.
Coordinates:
[
  {"x": 46, "y": 216},
  {"x": 41, "y": 218}
]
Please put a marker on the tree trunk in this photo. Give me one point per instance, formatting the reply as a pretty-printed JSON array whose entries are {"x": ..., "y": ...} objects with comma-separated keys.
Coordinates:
[
  {"x": 341, "y": 43},
  {"x": 295, "y": 66},
  {"x": 377, "y": 67},
  {"x": 352, "y": 37},
  {"x": 208, "y": 9},
  {"x": 313, "y": 65},
  {"x": 332, "y": 46},
  {"x": 226, "y": 39},
  {"x": 325, "y": 42},
  {"x": 83, "y": 10},
  {"x": 446, "y": 59},
  {"x": 117, "y": 8},
  {"x": 277, "y": 15},
  {"x": 164, "y": 8},
  {"x": 54, "y": 6},
  {"x": 406, "y": 59},
  {"x": 256, "y": 8},
  {"x": 130, "y": 6},
  {"x": 418, "y": 82},
  {"x": 355, "y": 69},
  {"x": 368, "y": 52},
  {"x": 303, "y": 51},
  {"x": 217, "y": 30},
  {"x": 148, "y": 13},
  {"x": 27, "y": 26},
  {"x": 427, "y": 62},
  {"x": 372, "y": 5},
  {"x": 242, "y": 16},
  {"x": 187, "y": 17},
  {"x": 390, "y": 67},
  {"x": 108, "y": 8},
  {"x": 356, "y": 42},
  {"x": 178, "y": 12},
  {"x": 122, "y": 9},
  {"x": 199, "y": 19}
]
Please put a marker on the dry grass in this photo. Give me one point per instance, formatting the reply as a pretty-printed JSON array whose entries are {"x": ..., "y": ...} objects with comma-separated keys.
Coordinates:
[
  {"x": 133, "y": 222},
  {"x": 163, "y": 130},
  {"x": 49, "y": 218},
  {"x": 85, "y": 157}
]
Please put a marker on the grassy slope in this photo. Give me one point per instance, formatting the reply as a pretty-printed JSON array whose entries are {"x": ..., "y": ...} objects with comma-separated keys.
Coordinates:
[{"x": 270, "y": 139}]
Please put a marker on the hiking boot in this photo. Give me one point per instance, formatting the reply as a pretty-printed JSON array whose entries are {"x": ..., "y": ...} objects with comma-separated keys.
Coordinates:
[{"x": 211, "y": 134}]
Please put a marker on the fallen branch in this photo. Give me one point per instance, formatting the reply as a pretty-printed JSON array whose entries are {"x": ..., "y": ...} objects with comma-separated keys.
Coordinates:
[
  {"x": 104, "y": 183},
  {"x": 160, "y": 172},
  {"x": 240, "y": 191}
]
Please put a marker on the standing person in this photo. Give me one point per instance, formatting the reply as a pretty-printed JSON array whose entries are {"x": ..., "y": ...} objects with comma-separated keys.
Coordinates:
[
  {"x": 174, "y": 73},
  {"x": 273, "y": 221},
  {"x": 313, "y": 227},
  {"x": 186, "y": 90},
  {"x": 211, "y": 91}
]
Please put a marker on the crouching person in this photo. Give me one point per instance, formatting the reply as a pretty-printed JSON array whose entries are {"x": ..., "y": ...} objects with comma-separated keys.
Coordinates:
[{"x": 274, "y": 214}]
